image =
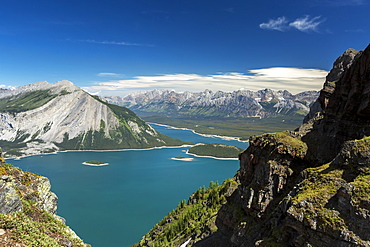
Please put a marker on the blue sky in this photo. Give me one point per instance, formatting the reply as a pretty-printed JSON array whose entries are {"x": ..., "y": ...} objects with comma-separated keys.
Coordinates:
[{"x": 117, "y": 47}]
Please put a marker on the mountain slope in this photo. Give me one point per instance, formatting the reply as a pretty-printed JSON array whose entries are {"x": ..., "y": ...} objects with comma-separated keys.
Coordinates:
[
  {"x": 61, "y": 115},
  {"x": 241, "y": 103},
  {"x": 308, "y": 187}
]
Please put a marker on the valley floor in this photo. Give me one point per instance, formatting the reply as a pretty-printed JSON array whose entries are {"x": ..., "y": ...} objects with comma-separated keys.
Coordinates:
[{"x": 241, "y": 128}]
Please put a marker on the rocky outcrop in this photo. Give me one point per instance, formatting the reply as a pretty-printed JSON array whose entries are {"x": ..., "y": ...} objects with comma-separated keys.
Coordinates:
[
  {"x": 309, "y": 187},
  {"x": 341, "y": 64},
  {"x": 28, "y": 211},
  {"x": 44, "y": 117},
  {"x": 241, "y": 103}
]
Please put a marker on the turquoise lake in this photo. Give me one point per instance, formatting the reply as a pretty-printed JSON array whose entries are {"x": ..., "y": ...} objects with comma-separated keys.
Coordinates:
[{"x": 116, "y": 205}]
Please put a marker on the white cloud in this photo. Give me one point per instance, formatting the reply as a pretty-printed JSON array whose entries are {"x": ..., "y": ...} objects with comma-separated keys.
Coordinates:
[
  {"x": 110, "y": 75},
  {"x": 304, "y": 24},
  {"x": 278, "y": 24},
  {"x": 7, "y": 87},
  {"x": 294, "y": 80}
]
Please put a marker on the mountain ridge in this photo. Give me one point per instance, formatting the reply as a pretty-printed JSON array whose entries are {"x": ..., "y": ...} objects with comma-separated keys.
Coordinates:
[
  {"x": 241, "y": 103},
  {"x": 63, "y": 116}
]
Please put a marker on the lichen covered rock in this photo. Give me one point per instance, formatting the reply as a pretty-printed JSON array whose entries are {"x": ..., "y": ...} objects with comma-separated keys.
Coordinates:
[
  {"x": 309, "y": 187},
  {"x": 27, "y": 211}
]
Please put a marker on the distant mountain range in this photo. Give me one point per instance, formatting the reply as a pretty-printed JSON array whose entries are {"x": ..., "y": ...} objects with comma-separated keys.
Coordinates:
[
  {"x": 45, "y": 117},
  {"x": 241, "y": 103}
]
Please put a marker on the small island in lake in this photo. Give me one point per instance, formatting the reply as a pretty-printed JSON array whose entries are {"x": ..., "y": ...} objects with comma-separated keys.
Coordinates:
[
  {"x": 215, "y": 150},
  {"x": 94, "y": 163},
  {"x": 182, "y": 158}
]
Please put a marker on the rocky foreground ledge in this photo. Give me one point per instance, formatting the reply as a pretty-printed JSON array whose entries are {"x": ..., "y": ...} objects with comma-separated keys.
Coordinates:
[
  {"x": 28, "y": 211},
  {"x": 309, "y": 187}
]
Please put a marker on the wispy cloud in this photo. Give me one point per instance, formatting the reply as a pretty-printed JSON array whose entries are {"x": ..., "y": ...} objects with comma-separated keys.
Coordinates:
[
  {"x": 110, "y": 75},
  {"x": 277, "y": 78},
  {"x": 303, "y": 24},
  {"x": 279, "y": 24},
  {"x": 306, "y": 24},
  {"x": 104, "y": 42}
]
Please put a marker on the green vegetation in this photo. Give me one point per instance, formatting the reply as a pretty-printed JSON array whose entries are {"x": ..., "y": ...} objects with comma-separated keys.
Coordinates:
[
  {"x": 216, "y": 150},
  {"x": 32, "y": 226},
  {"x": 321, "y": 184},
  {"x": 291, "y": 145},
  {"x": 95, "y": 162},
  {"x": 26, "y": 102},
  {"x": 241, "y": 128},
  {"x": 121, "y": 138},
  {"x": 362, "y": 187},
  {"x": 6, "y": 145},
  {"x": 192, "y": 218}
]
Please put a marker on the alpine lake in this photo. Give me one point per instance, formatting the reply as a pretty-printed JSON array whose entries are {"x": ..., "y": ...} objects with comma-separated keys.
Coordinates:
[{"x": 116, "y": 204}]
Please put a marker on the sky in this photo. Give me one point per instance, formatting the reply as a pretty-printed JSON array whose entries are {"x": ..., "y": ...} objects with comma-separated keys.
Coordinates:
[{"x": 116, "y": 47}]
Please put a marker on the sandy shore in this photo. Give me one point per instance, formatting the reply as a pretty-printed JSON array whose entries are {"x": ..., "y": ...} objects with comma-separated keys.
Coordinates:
[
  {"x": 183, "y": 159},
  {"x": 88, "y": 164}
]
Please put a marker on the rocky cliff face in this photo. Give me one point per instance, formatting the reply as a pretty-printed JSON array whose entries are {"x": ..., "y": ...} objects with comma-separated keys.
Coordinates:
[
  {"x": 28, "y": 211},
  {"x": 309, "y": 187},
  {"x": 45, "y": 117},
  {"x": 241, "y": 103}
]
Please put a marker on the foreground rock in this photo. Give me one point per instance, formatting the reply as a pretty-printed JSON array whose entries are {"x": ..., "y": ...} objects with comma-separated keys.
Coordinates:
[
  {"x": 310, "y": 187},
  {"x": 28, "y": 211}
]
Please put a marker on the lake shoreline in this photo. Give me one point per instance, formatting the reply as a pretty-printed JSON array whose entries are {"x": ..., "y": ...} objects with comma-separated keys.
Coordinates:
[
  {"x": 205, "y": 135},
  {"x": 212, "y": 157},
  {"x": 90, "y": 164},
  {"x": 183, "y": 159},
  {"x": 139, "y": 149},
  {"x": 96, "y": 150}
]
